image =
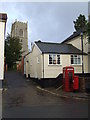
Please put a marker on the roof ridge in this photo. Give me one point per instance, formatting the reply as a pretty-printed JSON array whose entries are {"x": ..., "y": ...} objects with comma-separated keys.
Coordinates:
[
  {"x": 48, "y": 42},
  {"x": 53, "y": 43}
]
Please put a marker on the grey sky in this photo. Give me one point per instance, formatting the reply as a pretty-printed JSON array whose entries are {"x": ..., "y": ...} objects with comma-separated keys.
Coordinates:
[{"x": 49, "y": 21}]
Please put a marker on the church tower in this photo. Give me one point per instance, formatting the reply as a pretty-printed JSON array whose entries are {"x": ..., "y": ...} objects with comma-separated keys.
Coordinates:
[{"x": 19, "y": 29}]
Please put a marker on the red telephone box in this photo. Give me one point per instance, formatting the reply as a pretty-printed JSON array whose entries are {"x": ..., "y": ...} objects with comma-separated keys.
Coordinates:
[
  {"x": 76, "y": 83},
  {"x": 68, "y": 78}
]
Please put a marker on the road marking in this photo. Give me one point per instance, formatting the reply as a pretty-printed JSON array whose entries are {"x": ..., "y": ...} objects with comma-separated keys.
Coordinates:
[
  {"x": 51, "y": 92},
  {"x": 64, "y": 96}
]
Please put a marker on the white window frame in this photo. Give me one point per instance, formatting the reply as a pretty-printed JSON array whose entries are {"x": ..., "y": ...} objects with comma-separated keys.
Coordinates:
[
  {"x": 75, "y": 59},
  {"x": 53, "y": 59}
]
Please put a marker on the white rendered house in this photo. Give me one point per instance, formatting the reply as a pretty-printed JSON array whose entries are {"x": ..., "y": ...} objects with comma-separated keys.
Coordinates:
[{"x": 3, "y": 19}]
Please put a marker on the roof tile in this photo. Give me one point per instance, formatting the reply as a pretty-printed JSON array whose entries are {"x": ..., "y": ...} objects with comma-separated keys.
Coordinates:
[{"x": 57, "y": 48}]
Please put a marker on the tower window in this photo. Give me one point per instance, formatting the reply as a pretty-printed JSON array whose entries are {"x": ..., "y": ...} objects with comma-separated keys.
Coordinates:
[{"x": 21, "y": 32}]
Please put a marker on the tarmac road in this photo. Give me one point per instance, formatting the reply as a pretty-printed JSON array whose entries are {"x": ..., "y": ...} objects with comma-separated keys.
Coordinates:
[
  {"x": 0, "y": 104},
  {"x": 22, "y": 99}
]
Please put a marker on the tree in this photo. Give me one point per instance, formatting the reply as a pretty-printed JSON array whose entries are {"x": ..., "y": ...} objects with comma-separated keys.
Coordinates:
[
  {"x": 12, "y": 50},
  {"x": 80, "y": 23},
  {"x": 88, "y": 30}
]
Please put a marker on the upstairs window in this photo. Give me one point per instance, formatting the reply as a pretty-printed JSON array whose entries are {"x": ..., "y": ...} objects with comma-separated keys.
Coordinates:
[
  {"x": 54, "y": 59},
  {"x": 75, "y": 59}
]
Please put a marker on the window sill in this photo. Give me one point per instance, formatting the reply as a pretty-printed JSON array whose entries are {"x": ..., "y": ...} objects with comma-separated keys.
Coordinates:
[
  {"x": 54, "y": 65},
  {"x": 76, "y": 64}
]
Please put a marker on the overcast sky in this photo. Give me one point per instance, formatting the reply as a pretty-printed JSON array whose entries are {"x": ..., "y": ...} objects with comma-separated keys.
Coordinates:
[{"x": 52, "y": 22}]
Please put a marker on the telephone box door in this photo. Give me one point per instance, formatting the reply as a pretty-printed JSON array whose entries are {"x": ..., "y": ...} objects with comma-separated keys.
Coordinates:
[{"x": 68, "y": 75}]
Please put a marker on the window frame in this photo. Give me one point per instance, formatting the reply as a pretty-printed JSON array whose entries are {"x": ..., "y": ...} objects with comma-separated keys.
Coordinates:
[
  {"x": 75, "y": 59},
  {"x": 54, "y": 60}
]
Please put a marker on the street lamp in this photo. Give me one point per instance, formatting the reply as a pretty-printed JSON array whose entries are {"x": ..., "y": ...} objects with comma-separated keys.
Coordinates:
[{"x": 82, "y": 53}]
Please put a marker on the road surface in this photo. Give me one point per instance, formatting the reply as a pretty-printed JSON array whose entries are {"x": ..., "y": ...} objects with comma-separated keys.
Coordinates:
[{"x": 22, "y": 99}]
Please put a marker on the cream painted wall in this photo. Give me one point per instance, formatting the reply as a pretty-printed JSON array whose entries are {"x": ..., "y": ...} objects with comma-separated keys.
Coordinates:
[
  {"x": 35, "y": 63},
  {"x": 86, "y": 47},
  {"x": 86, "y": 64},
  {"x": 27, "y": 65},
  {"x": 66, "y": 61},
  {"x": 78, "y": 68},
  {"x": 77, "y": 43},
  {"x": 2, "y": 28},
  {"x": 51, "y": 71}
]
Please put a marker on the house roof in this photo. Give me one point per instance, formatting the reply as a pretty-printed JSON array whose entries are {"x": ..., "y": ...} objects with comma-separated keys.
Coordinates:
[
  {"x": 3, "y": 16},
  {"x": 57, "y": 48},
  {"x": 75, "y": 34}
]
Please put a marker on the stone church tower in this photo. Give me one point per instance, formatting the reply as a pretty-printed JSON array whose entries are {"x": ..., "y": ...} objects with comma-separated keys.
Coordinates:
[{"x": 19, "y": 29}]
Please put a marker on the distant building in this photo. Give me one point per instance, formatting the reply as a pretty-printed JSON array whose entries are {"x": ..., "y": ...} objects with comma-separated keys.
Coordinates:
[
  {"x": 19, "y": 29},
  {"x": 3, "y": 19}
]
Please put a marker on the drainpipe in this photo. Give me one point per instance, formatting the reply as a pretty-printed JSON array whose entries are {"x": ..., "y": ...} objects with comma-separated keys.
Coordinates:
[{"x": 82, "y": 53}]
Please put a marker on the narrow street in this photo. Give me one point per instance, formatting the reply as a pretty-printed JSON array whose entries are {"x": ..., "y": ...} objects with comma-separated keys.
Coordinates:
[{"x": 22, "y": 99}]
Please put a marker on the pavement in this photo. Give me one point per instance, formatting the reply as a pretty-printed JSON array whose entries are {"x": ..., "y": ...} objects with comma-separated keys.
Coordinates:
[{"x": 60, "y": 93}]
